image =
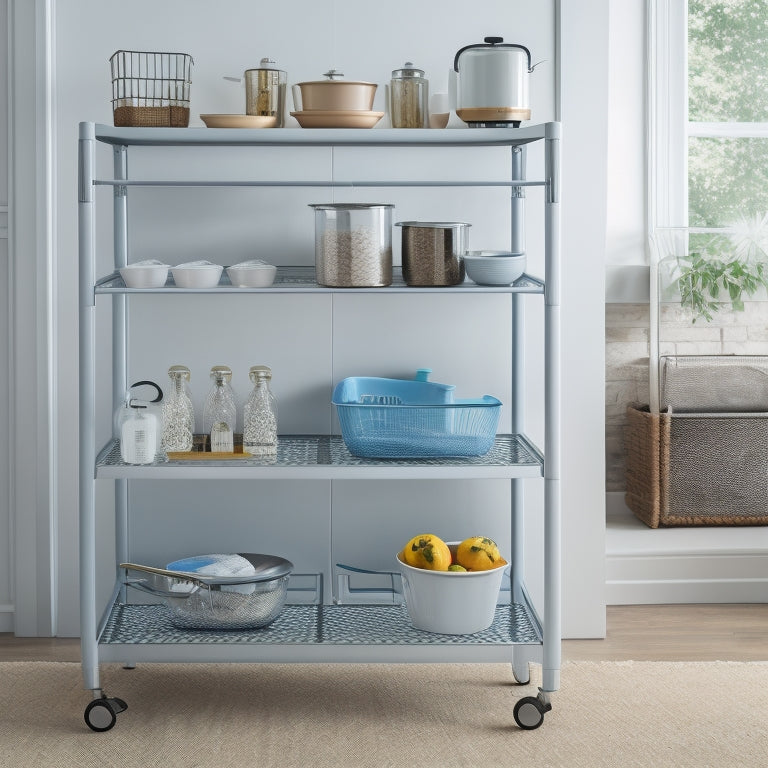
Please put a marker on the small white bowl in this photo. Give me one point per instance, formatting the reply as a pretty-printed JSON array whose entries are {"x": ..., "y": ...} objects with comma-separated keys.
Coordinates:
[
  {"x": 252, "y": 274},
  {"x": 494, "y": 267},
  {"x": 145, "y": 274},
  {"x": 197, "y": 274}
]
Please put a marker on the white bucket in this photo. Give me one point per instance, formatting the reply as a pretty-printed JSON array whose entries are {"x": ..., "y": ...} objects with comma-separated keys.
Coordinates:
[{"x": 451, "y": 602}]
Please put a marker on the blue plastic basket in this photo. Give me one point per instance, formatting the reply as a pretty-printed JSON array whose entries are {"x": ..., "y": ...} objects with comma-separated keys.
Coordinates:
[{"x": 393, "y": 419}]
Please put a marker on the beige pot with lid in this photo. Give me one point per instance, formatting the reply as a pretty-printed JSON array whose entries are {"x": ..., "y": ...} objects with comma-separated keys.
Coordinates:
[{"x": 334, "y": 94}]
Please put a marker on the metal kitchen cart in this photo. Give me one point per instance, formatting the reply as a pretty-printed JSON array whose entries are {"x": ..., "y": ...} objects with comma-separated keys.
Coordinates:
[{"x": 321, "y": 631}]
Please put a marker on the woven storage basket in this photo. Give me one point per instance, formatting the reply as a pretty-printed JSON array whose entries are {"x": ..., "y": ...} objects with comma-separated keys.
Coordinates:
[{"x": 697, "y": 469}]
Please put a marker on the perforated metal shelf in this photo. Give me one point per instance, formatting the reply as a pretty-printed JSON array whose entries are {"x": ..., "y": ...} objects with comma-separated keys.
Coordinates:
[
  {"x": 327, "y": 457},
  {"x": 330, "y": 632}
]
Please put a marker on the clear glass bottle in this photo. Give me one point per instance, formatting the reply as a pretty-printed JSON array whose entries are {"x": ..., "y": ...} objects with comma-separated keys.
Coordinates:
[
  {"x": 178, "y": 412},
  {"x": 220, "y": 414},
  {"x": 260, "y": 415}
]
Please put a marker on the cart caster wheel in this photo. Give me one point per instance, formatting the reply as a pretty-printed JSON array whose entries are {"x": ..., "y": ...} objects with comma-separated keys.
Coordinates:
[
  {"x": 101, "y": 714},
  {"x": 529, "y": 712}
]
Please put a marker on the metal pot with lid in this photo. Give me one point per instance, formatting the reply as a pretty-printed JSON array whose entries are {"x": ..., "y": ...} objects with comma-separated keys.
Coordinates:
[{"x": 493, "y": 83}]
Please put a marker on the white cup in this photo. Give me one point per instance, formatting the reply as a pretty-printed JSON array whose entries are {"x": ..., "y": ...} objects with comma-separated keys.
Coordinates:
[{"x": 439, "y": 110}]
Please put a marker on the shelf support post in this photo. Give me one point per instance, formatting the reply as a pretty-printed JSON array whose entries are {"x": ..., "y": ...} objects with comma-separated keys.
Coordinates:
[
  {"x": 87, "y": 532},
  {"x": 552, "y": 415},
  {"x": 517, "y": 245},
  {"x": 120, "y": 337}
]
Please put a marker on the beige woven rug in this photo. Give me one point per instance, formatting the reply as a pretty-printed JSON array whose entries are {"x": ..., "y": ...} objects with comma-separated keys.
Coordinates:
[{"x": 621, "y": 714}]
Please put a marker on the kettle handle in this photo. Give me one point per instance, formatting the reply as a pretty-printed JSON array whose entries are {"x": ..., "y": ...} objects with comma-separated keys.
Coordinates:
[
  {"x": 158, "y": 396},
  {"x": 489, "y": 43}
]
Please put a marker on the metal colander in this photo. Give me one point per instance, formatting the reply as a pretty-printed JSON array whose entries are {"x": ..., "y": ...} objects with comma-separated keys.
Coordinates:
[{"x": 197, "y": 601}]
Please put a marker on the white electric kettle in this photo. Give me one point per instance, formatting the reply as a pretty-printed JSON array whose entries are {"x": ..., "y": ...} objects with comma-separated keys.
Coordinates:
[{"x": 493, "y": 83}]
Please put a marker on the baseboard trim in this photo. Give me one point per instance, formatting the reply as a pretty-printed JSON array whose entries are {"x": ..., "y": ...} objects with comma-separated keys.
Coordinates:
[
  {"x": 681, "y": 591},
  {"x": 6, "y": 618},
  {"x": 723, "y": 564}
]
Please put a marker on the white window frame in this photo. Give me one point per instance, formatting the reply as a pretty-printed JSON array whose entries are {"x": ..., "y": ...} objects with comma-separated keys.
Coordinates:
[
  {"x": 668, "y": 126},
  {"x": 668, "y": 132},
  {"x": 667, "y": 98}
]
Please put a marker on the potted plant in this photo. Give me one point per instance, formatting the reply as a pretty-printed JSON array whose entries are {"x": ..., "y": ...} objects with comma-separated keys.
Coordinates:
[{"x": 717, "y": 268}]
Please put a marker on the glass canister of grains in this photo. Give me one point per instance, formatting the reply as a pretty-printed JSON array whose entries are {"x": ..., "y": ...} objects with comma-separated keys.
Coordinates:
[
  {"x": 433, "y": 252},
  {"x": 353, "y": 244},
  {"x": 260, "y": 415},
  {"x": 409, "y": 97}
]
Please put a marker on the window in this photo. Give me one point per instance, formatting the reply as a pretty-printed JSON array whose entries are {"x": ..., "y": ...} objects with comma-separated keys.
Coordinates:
[
  {"x": 709, "y": 103},
  {"x": 708, "y": 168},
  {"x": 727, "y": 111}
]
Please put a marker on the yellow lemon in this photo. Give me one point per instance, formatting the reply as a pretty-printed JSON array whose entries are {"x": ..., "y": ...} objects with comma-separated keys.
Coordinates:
[
  {"x": 457, "y": 567},
  {"x": 427, "y": 551},
  {"x": 479, "y": 554}
]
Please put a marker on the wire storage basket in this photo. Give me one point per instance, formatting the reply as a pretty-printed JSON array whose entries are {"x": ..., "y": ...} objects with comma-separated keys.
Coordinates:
[{"x": 151, "y": 89}]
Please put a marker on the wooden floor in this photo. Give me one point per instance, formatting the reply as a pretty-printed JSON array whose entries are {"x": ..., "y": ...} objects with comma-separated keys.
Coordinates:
[{"x": 636, "y": 632}]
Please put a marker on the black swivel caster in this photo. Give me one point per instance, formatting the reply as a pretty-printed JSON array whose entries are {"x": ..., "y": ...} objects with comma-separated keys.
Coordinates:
[
  {"x": 529, "y": 711},
  {"x": 101, "y": 714}
]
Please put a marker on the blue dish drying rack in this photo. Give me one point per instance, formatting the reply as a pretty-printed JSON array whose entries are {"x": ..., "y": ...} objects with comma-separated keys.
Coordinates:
[{"x": 384, "y": 418}]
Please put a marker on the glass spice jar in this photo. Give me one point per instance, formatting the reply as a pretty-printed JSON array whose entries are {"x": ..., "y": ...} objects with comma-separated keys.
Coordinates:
[
  {"x": 220, "y": 413},
  {"x": 260, "y": 415},
  {"x": 409, "y": 97},
  {"x": 178, "y": 413},
  {"x": 265, "y": 91}
]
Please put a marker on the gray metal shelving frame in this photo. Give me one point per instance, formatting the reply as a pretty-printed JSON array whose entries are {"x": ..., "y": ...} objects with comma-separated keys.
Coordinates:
[{"x": 321, "y": 632}]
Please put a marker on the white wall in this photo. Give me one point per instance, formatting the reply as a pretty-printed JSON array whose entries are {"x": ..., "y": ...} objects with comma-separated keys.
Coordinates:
[
  {"x": 330, "y": 37},
  {"x": 583, "y": 96}
]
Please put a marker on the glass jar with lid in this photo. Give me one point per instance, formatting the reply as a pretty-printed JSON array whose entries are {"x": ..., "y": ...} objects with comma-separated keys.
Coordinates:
[
  {"x": 409, "y": 97},
  {"x": 265, "y": 91},
  {"x": 260, "y": 415},
  {"x": 353, "y": 244},
  {"x": 220, "y": 413},
  {"x": 178, "y": 412}
]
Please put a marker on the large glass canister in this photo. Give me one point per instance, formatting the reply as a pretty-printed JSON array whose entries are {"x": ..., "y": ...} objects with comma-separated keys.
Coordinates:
[
  {"x": 178, "y": 412},
  {"x": 353, "y": 244},
  {"x": 433, "y": 252},
  {"x": 260, "y": 415},
  {"x": 409, "y": 98},
  {"x": 265, "y": 91},
  {"x": 220, "y": 413}
]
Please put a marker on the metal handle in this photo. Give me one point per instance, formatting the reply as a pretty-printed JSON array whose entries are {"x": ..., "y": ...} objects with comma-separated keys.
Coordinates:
[
  {"x": 497, "y": 41},
  {"x": 144, "y": 383},
  {"x": 163, "y": 572}
]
